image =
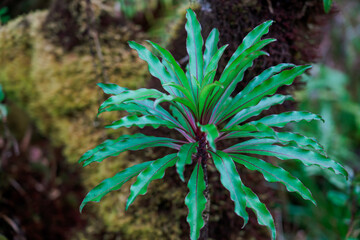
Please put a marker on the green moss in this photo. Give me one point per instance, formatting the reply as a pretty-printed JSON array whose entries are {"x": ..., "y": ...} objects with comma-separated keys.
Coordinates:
[{"x": 57, "y": 89}]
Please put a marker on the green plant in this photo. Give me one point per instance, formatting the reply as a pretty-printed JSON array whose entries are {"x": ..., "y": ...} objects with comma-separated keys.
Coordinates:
[
  {"x": 327, "y": 5},
  {"x": 4, "y": 17},
  {"x": 337, "y": 215},
  {"x": 3, "y": 108},
  {"x": 208, "y": 113}
]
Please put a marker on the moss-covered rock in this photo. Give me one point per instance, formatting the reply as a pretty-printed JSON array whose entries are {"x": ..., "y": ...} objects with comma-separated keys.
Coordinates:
[{"x": 57, "y": 89}]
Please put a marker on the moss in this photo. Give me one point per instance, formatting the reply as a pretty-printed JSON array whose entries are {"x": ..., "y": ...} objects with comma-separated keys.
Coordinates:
[{"x": 57, "y": 89}]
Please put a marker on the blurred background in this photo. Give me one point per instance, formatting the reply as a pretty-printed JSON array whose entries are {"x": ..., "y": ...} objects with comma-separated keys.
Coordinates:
[{"x": 52, "y": 54}]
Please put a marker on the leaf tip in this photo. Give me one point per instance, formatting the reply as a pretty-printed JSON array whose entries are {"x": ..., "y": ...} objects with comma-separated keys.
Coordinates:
[{"x": 82, "y": 206}]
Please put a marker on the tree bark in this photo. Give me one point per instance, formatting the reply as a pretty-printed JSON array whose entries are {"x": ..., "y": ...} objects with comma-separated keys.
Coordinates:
[{"x": 204, "y": 233}]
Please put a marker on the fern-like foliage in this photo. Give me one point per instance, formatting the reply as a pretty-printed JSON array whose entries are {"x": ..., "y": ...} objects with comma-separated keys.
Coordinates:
[{"x": 207, "y": 111}]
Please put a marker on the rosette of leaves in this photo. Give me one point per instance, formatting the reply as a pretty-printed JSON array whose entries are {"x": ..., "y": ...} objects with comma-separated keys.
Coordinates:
[{"x": 208, "y": 112}]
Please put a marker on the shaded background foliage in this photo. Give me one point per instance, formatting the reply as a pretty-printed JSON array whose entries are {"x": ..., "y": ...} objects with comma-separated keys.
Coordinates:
[{"x": 51, "y": 60}]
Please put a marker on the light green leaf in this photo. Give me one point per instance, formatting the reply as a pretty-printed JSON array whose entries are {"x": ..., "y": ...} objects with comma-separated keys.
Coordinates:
[
  {"x": 185, "y": 157},
  {"x": 265, "y": 75},
  {"x": 124, "y": 143},
  {"x": 111, "y": 88},
  {"x": 268, "y": 87},
  {"x": 251, "y": 130},
  {"x": 3, "y": 111},
  {"x": 262, "y": 213},
  {"x": 307, "y": 157},
  {"x": 274, "y": 174},
  {"x": 113, "y": 184},
  {"x": 166, "y": 55},
  {"x": 139, "y": 94},
  {"x": 260, "y": 130},
  {"x": 183, "y": 90},
  {"x": 233, "y": 68},
  {"x": 156, "y": 68},
  {"x": 222, "y": 95},
  {"x": 181, "y": 118},
  {"x": 280, "y": 120},
  {"x": 144, "y": 107},
  {"x": 155, "y": 171},
  {"x": 196, "y": 201},
  {"x": 188, "y": 103},
  {"x": 210, "y": 47},
  {"x": 211, "y": 134},
  {"x": 253, "y": 111},
  {"x": 213, "y": 64},
  {"x": 250, "y": 39},
  {"x": 194, "y": 45},
  {"x": 141, "y": 122},
  {"x": 163, "y": 98},
  {"x": 300, "y": 141},
  {"x": 230, "y": 179},
  {"x": 206, "y": 93}
]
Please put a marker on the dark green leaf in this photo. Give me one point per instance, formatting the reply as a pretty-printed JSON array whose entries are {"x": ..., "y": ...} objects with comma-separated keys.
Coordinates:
[
  {"x": 327, "y": 5},
  {"x": 2, "y": 95}
]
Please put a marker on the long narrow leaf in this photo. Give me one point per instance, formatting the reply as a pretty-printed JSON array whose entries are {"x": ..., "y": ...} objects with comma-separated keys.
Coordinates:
[
  {"x": 124, "y": 143},
  {"x": 156, "y": 68},
  {"x": 196, "y": 201},
  {"x": 111, "y": 88},
  {"x": 251, "y": 38},
  {"x": 265, "y": 75},
  {"x": 166, "y": 55},
  {"x": 210, "y": 47},
  {"x": 185, "y": 157},
  {"x": 262, "y": 213},
  {"x": 139, "y": 94},
  {"x": 194, "y": 45},
  {"x": 155, "y": 171},
  {"x": 213, "y": 64},
  {"x": 307, "y": 157},
  {"x": 269, "y": 87},
  {"x": 230, "y": 179},
  {"x": 253, "y": 111},
  {"x": 280, "y": 120},
  {"x": 274, "y": 174},
  {"x": 114, "y": 183},
  {"x": 211, "y": 134},
  {"x": 141, "y": 122}
]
